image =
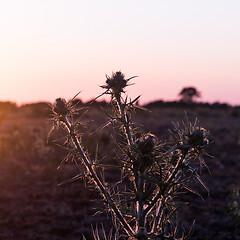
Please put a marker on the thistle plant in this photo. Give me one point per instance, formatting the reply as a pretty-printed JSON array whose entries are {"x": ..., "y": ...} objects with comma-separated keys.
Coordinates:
[{"x": 153, "y": 174}]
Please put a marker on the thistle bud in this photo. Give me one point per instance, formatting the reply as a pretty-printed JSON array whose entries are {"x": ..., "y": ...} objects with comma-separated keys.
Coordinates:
[{"x": 60, "y": 106}]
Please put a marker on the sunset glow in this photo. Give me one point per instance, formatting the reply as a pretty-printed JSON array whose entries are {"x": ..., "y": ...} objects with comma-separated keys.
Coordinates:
[{"x": 53, "y": 48}]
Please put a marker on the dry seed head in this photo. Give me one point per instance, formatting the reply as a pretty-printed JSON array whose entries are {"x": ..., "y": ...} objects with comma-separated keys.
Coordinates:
[
  {"x": 146, "y": 145},
  {"x": 197, "y": 138},
  {"x": 61, "y": 107},
  {"x": 116, "y": 82}
]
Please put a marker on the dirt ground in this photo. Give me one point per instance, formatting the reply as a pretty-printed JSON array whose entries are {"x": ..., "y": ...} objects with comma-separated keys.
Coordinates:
[{"x": 33, "y": 206}]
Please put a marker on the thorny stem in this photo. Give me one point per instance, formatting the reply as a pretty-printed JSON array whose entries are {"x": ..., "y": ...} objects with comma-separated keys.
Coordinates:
[
  {"x": 140, "y": 183},
  {"x": 175, "y": 170},
  {"x": 140, "y": 216},
  {"x": 124, "y": 120},
  {"x": 98, "y": 182},
  {"x": 141, "y": 212},
  {"x": 167, "y": 185},
  {"x": 159, "y": 213}
]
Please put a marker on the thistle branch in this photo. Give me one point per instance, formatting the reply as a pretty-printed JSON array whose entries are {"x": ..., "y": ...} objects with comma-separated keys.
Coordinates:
[
  {"x": 165, "y": 189},
  {"x": 97, "y": 181}
]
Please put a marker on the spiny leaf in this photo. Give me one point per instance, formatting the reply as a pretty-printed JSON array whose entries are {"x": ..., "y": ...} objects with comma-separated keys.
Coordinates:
[
  {"x": 72, "y": 179},
  {"x": 106, "y": 166},
  {"x": 50, "y": 131},
  {"x": 75, "y": 96},
  {"x": 133, "y": 101},
  {"x": 104, "y": 126},
  {"x": 199, "y": 178},
  {"x": 172, "y": 150},
  {"x": 70, "y": 154},
  {"x": 131, "y": 78},
  {"x": 193, "y": 191}
]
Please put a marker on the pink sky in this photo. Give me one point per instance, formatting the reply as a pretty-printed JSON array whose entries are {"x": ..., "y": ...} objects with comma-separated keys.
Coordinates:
[{"x": 55, "y": 48}]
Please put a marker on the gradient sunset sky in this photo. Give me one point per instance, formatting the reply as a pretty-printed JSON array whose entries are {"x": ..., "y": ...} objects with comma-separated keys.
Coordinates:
[{"x": 56, "y": 48}]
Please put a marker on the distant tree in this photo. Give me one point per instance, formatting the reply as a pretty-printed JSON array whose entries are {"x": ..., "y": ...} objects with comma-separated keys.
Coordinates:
[{"x": 188, "y": 94}]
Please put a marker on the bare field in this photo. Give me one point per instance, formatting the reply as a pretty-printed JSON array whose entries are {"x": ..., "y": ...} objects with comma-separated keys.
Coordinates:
[{"x": 33, "y": 205}]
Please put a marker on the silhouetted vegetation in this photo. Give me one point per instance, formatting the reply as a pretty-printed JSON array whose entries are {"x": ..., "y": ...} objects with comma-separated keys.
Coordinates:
[
  {"x": 188, "y": 94},
  {"x": 44, "y": 109},
  {"x": 7, "y": 106},
  {"x": 174, "y": 104},
  {"x": 33, "y": 206},
  {"x": 145, "y": 199},
  {"x": 36, "y": 109}
]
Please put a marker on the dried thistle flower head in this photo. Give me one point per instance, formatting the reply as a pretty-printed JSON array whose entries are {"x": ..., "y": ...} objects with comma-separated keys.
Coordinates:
[
  {"x": 198, "y": 138},
  {"x": 147, "y": 143},
  {"x": 61, "y": 107},
  {"x": 116, "y": 82},
  {"x": 146, "y": 146}
]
